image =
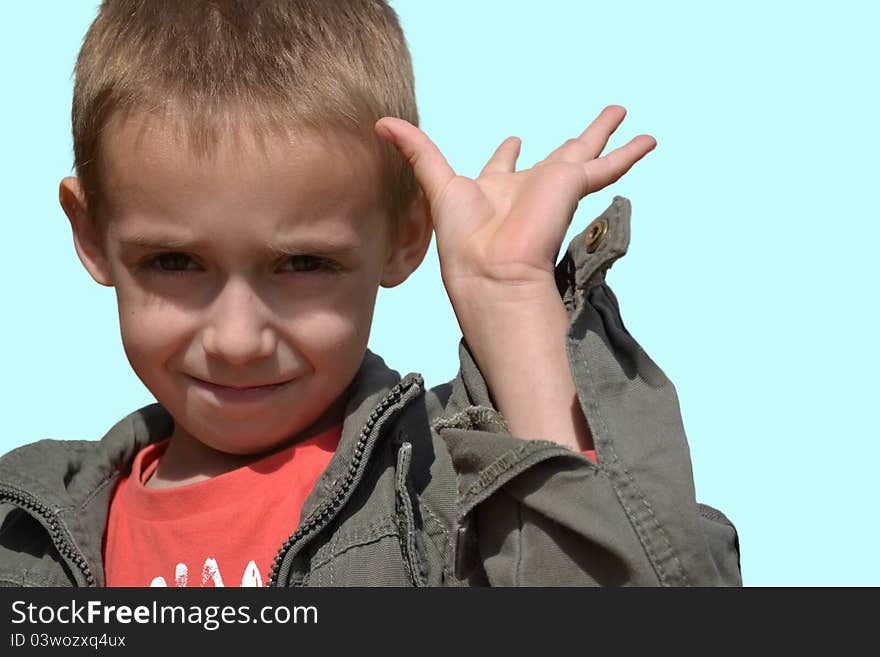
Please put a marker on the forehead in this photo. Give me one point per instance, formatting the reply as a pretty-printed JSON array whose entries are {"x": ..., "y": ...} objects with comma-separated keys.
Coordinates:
[{"x": 150, "y": 170}]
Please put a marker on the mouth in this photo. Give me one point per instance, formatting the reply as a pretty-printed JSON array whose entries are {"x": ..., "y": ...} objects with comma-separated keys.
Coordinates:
[
  {"x": 238, "y": 393},
  {"x": 241, "y": 387}
]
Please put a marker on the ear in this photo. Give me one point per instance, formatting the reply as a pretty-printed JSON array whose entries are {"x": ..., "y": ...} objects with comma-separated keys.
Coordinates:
[
  {"x": 415, "y": 237},
  {"x": 86, "y": 238}
]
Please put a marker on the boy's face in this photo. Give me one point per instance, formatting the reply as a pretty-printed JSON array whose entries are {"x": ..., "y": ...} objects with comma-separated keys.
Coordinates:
[{"x": 246, "y": 280}]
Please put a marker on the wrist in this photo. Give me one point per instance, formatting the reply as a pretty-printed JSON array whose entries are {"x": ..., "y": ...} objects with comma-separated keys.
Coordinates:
[
  {"x": 518, "y": 339},
  {"x": 483, "y": 303}
]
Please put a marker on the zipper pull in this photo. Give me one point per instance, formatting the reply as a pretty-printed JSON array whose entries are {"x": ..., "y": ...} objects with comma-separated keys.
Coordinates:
[{"x": 460, "y": 544}]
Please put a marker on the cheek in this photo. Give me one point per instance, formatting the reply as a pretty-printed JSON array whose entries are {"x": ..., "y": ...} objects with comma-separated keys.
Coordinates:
[
  {"x": 151, "y": 333},
  {"x": 337, "y": 328}
]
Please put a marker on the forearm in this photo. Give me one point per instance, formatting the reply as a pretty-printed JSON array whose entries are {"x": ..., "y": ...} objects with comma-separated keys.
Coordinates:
[{"x": 518, "y": 341}]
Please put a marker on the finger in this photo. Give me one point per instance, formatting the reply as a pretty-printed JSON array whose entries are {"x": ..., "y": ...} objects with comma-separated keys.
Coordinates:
[
  {"x": 602, "y": 172},
  {"x": 504, "y": 158},
  {"x": 592, "y": 141},
  {"x": 431, "y": 169}
]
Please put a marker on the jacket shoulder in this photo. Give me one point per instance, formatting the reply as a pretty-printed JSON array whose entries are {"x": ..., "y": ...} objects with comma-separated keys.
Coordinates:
[
  {"x": 46, "y": 467},
  {"x": 34, "y": 480}
]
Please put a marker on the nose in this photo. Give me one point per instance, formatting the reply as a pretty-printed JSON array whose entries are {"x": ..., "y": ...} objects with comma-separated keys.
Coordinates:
[{"x": 237, "y": 331}]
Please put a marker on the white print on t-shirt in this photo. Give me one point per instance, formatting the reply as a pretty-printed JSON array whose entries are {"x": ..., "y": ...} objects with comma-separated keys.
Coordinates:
[
  {"x": 211, "y": 573},
  {"x": 181, "y": 574}
]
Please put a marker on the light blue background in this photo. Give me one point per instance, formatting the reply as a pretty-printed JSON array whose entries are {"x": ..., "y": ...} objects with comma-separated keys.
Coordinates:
[{"x": 750, "y": 278}]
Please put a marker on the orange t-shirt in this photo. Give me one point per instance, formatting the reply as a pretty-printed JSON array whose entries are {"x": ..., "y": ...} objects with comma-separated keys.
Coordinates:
[
  {"x": 215, "y": 532},
  {"x": 224, "y": 531}
]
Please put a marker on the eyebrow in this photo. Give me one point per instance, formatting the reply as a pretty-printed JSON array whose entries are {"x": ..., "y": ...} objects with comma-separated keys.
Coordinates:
[
  {"x": 159, "y": 241},
  {"x": 278, "y": 247},
  {"x": 331, "y": 248}
]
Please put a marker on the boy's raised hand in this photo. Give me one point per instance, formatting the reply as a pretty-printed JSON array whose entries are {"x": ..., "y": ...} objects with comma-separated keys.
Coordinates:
[
  {"x": 498, "y": 236},
  {"x": 505, "y": 227}
]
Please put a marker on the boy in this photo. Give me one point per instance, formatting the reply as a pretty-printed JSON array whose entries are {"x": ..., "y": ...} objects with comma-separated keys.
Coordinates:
[{"x": 248, "y": 175}]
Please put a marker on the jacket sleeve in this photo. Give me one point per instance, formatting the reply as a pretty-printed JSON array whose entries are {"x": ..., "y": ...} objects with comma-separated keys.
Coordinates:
[{"x": 532, "y": 512}]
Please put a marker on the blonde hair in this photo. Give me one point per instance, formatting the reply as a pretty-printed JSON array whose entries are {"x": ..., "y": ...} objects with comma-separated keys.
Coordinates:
[{"x": 214, "y": 66}]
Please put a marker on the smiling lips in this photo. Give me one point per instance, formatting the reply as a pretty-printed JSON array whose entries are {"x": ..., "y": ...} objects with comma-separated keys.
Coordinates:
[
  {"x": 239, "y": 394},
  {"x": 240, "y": 387}
]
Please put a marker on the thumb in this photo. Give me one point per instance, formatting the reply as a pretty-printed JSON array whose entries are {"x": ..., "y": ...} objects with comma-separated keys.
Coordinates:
[{"x": 431, "y": 169}]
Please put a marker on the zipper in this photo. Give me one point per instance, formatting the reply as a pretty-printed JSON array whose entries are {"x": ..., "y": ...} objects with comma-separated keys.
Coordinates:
[
  {"x": 406, "y": 517},
  {"x": 60, "y": 538},
  {"x": 322, "y": 515}
]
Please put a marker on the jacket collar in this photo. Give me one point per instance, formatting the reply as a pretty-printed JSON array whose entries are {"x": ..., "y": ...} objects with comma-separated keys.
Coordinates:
[{"x": 367, "y": 401}]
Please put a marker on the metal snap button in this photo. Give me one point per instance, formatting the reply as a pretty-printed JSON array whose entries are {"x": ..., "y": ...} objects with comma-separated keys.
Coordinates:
[{"x": 595, "y": 234}]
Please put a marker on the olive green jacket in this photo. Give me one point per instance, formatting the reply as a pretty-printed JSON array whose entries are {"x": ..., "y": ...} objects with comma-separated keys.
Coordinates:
[{"x": 428, "y": 488}]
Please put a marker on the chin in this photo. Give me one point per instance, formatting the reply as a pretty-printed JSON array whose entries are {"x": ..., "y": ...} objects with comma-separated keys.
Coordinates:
[
  {"x": 246, "y": 436},
  {"x": 245, "y": 445}
]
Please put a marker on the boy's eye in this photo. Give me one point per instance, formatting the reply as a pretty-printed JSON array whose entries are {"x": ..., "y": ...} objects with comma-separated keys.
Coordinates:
[
  {"x": 172, "y": 262},
  {"x": 307, "y": 263}
]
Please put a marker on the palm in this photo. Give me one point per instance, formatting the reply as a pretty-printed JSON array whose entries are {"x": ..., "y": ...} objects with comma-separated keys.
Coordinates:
[
  {"x": 505, "y": 225},
  {"x": 494, "y": 226}
]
